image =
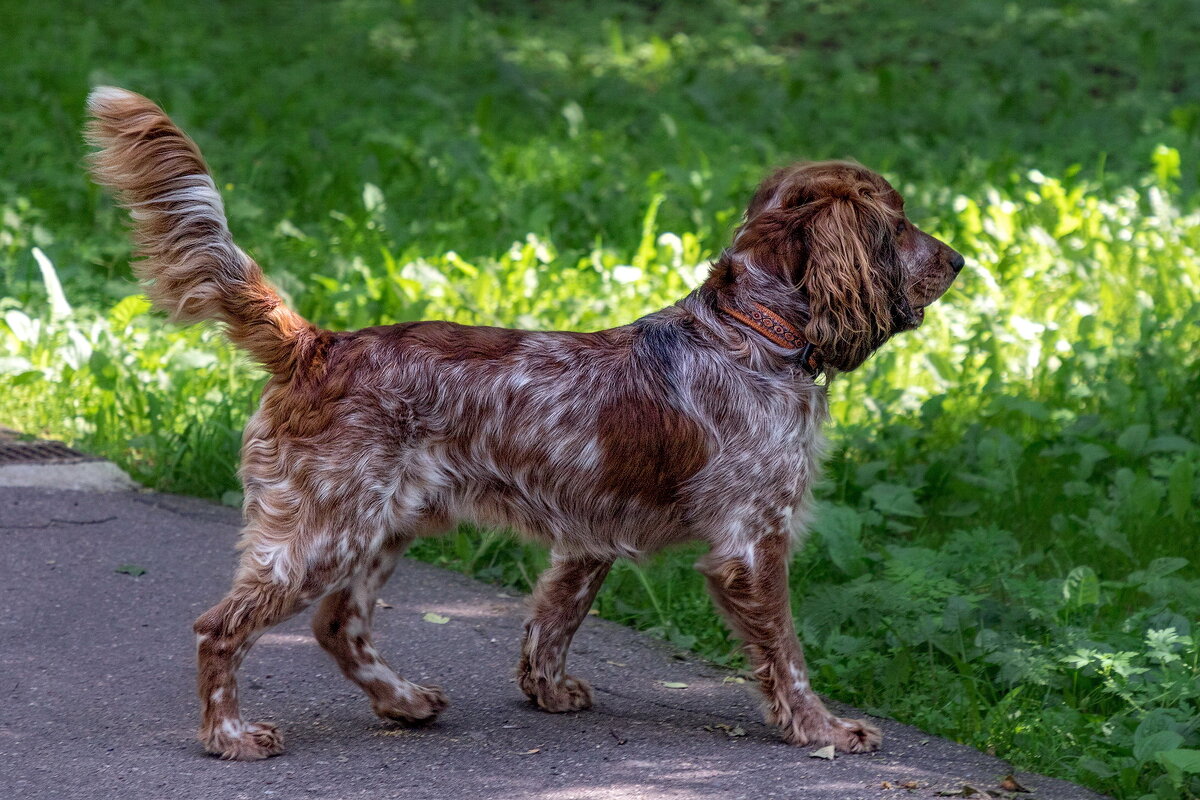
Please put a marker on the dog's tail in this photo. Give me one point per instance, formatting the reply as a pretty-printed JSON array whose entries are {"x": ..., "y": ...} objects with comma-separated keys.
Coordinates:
[{"x": 189, "y": 265}]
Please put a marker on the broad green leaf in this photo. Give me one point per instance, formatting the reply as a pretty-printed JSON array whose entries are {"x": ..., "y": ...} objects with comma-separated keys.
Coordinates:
[
  {"x": 1081, "y": 588},
  {"x": 1133, "y": 439},
  {"x": 1181, "y": 487},
  {"x": 126, "y": 310},
  {"x": 840, "y": 528},
  {"x": 1178, "y": 763},
  {"x": 890, "y": 498},
  {"x": 1170, "y": 444},
  {"x": 1150, "y": 746}
]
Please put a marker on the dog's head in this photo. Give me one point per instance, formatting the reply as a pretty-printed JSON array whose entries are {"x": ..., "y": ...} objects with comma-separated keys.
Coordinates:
[{"x": 836, "y": 231}]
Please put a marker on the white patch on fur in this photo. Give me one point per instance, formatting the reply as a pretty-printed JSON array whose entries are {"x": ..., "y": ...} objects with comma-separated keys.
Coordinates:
[
  {"x": 201, "y": 199},
  {"x": 532, "y": 635},
  {"x": 582, "y": 594},
  {"x": 355, "y": 627},
  {"x": 799, "y": 679},
  {"x": 378, "y": 672},
  {"x": 275, "y": 556},
  {"x": 103, "y": 96},
  {"x": 589, "y": 456},
  {"x": 233, "y": 727}
]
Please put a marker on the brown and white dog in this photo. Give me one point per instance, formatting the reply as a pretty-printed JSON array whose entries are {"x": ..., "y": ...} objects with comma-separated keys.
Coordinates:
[{"x": 698, "y": 422}]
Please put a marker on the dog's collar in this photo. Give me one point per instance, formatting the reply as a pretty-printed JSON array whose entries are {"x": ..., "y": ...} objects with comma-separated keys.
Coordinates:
[{"x": 776, "y": 329}]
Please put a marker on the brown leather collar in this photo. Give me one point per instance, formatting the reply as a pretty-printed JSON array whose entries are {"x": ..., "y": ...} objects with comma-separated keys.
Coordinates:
[{"x": 773, "y": 327}]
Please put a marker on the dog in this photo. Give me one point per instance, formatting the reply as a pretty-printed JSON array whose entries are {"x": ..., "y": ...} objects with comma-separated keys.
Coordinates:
[{"x": 701, "y": 421}]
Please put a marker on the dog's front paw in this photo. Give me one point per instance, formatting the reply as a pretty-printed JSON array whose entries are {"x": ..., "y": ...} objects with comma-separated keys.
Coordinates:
[
  {"x": 846, "y": 735},
  {"x": 855, "y": 736},
  {"x": 569, "y": 694},
  {"x": 234, "y": 740},
  {"x": 418, "y": 704}
]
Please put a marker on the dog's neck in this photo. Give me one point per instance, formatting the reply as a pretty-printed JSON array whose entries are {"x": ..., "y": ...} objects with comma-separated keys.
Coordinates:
[
  {"x": 773, "y": 327},
  {"x": 749, "y": 297}
]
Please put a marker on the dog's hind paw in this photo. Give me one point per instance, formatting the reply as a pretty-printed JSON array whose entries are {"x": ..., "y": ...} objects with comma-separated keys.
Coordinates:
[{"x": 234, "y": 740}]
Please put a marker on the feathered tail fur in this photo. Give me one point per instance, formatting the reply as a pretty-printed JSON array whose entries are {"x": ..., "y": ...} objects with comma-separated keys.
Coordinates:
[{"x": 189, "y": 265}]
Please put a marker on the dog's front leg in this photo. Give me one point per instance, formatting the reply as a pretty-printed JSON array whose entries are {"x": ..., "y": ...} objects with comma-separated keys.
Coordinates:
[
  {"x": 751, "y": 590},
  {"x": 561, "y": 600}
]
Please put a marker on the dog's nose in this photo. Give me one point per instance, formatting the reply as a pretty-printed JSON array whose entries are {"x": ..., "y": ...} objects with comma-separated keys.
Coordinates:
[{"x": 958, "y": 262}]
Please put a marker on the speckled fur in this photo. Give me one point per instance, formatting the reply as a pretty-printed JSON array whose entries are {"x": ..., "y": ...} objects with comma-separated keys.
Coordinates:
[{"x": 684, "y": 425}]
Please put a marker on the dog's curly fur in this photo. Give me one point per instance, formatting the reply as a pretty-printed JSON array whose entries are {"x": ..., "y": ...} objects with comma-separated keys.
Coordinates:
[{"x": 687, "y": 424}]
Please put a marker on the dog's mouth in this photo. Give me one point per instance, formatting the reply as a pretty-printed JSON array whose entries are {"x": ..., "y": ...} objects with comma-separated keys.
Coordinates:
[
  {"x": 917, "y": 314},
  {"x": 911, "y": 317}
]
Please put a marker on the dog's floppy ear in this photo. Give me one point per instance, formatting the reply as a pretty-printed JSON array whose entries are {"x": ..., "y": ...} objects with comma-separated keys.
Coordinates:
[{"x": 850, "y": 275}]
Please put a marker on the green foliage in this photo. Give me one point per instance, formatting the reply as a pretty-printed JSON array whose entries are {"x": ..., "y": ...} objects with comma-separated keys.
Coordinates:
[{"x": 1003, "y": 547}]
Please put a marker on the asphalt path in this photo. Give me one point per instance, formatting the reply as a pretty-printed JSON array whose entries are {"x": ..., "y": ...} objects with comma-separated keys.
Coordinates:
[{"x": 97, "y": 688}]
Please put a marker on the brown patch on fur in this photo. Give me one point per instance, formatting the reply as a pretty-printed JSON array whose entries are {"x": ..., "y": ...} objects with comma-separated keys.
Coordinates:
[{"x": 650, "y": 449}]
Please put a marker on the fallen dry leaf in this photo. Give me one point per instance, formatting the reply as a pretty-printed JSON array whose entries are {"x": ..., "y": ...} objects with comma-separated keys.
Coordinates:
[
  {"x": 1009, "y": 784},
  {"x": 911, "y": 785},
  {"x": 729, "y": 730},
  {"x": 886, "y": 785},
  {"x": 615, "y": 663},
  {"x": 531, "y": 752},
  {"x": 435, "y": 618},
  {"x": 826, "y": 753},
  {"x": 382, "y": 604},
  {"x": 674, "y": 684}
]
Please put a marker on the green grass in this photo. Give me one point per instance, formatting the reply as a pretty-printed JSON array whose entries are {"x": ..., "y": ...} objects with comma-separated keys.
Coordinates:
[{"x": 1003, "y": 549}]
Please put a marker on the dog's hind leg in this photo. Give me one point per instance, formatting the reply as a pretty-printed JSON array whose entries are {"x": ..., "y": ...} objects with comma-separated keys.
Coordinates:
[
  {"x": 224, "y": 634},
  {"x": 751, "y": 590},
  {"x": 342, "y": 625},
  {"x": 561, "y": 600}
]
